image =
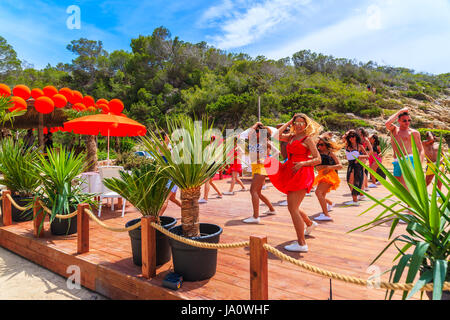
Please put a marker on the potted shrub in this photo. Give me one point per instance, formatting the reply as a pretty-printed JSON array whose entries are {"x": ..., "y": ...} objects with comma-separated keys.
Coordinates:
[
  {"x": 61, "y": 188},
  {"x": 147, "y": 189},
  {"x": 424, "y": 248},
  {"x": 15, "y": 160},
  {"x": 193, "y": 160}
]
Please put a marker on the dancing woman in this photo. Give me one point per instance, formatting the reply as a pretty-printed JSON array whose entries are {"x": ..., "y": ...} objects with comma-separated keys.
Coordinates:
[
  {"x": 295, "y": 177},
  {"x": 327, "y": 178},
  {"x": 355, "y": 173},
  {"x": 376, "y": 154},
  {"x": 258, "y": 152},
  {"x": 235, "y": 169}
]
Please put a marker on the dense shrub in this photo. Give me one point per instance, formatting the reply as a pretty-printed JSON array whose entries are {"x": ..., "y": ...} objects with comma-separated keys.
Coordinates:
[
  {"x": 130, "y": 161},
  {"x": 335, "y": 121},
  {"x": 371, "y": 112}
]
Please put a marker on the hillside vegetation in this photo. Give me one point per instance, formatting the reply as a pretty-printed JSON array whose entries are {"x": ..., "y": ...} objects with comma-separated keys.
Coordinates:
[{"x": 162, "y": 75}]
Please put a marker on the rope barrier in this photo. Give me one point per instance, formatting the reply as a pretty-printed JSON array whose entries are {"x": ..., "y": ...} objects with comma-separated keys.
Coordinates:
[
  {"x": 59, "y": 216},
  {"x": 350, "y": 279},
  {"x": 93, "y": 217},
  {"x": 16, "y": 205},
  {"x": 199, "y": 244}
]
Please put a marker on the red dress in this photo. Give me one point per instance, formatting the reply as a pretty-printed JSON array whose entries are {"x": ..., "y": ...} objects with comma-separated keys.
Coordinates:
[
  {"x": 281, "y": 174},
  {"x": 236, "y": 165}
]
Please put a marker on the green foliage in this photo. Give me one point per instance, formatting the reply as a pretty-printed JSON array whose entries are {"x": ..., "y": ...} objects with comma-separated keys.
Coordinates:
[
  {"x": 423, "y": 250},
  {"x": 5, "y": 115},
  {"x": 131, "y": 161},
  {"x": 15, "y": 159},
  {"x": 341, "y": 122},
  {"x": 146, "y": 188}
]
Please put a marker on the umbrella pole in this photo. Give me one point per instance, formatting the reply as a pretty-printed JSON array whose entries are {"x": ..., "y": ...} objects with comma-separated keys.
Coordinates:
[{"x": 108, "y": 148}]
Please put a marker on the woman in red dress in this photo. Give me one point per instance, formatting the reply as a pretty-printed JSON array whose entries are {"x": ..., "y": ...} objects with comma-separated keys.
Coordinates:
[
  {"x": 295, "y": 177},
  {"x": 235, "y": 169}
]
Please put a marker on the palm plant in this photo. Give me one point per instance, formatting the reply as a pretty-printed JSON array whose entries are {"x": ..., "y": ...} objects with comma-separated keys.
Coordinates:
[
  {"x": 193, "y": 161},
  {"x": 385, "y": 145},
  {"x": 427, "y": 232},
  {"x": 146, "y": 188},
  {"x": 15, "y": 159},
  {"x": 60, "y": 187}
]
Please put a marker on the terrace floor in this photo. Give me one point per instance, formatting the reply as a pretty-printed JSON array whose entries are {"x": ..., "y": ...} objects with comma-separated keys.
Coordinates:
[{"x": 108, "y": 267}]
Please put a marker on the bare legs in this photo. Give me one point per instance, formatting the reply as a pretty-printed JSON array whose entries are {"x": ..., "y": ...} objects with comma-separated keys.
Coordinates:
[
  {"x": 255, "y": 192},
  {"x": 171, "y": 197},
  {"x": 321, "y": 192},
  {"x": 298, "y": 216},
  {"x": 235, "y": 178},
  {"x": 207, "y": 187}
]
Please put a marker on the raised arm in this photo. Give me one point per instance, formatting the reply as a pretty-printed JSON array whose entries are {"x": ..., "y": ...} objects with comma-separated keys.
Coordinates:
[
  {"x": 390, "y": 122},
  {"x": 280, "y": 135}
]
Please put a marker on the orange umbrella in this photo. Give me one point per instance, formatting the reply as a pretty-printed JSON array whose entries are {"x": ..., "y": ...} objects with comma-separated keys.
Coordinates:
[{"x": 107, "y": 125}]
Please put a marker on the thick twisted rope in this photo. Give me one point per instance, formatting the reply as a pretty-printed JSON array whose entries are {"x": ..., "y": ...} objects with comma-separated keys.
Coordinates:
[
  {"x": 14, "y": 203},
  {"x": 59, "y": 216},
  {"x": 349, "y": 279},
  {"x": 93, "y": 217},
  {"x": 199, "y": 244}
]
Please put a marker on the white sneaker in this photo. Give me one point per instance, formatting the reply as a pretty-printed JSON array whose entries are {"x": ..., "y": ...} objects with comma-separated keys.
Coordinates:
[
  {"x": 373, "y": 185},
  {"x": 330, "y": 206},
  {"x": 309, "y": 229},
  {"x": 268, "y": 212},
  {"x": 283, "y": 203},
  {"x": 219, "y": 196},
  {"x": 362, "y": 197},
  {"x": 264, "y": 187},
  {"x": 322, "y": 217},
  {"x": 228, "y": 193},
  {"x": 351, "y": 203},
  {"x": 294, "y": 246},
  {"x": 308, "y": 194},
  {"x": 243, "y": 189},
  {"x": 251, "y": 220},
  {"x": 378, "y": 183},
  {"x": 202, "y": 200}
]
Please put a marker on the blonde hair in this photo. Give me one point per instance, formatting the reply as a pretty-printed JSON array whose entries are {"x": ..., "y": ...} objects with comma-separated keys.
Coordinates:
[{"x": 312, "y": 127}]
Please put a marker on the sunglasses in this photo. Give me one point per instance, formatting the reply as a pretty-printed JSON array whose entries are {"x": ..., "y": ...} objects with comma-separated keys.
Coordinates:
[
  {"x": 406, "y": 120},
  {"x": 352, "y": 136},
  {"x": 299, "y": 123},
  {"x": 320, "y": 144}
]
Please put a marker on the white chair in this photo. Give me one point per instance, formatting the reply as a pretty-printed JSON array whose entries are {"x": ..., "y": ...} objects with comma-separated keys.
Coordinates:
[{"x": 110, "y": 172}]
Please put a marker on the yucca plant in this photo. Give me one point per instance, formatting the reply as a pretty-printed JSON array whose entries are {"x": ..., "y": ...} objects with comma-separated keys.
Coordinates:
[
  {"x": 146, "y": 188},
  {"x": 424, "y": 250},
  {"x": 5, "y": 114},
  {"x": 60, "y": 187},
  {"x": 15, "y": 160},
  {"x": 193, "y": 160},
  {"x": 385, "y": 145}
]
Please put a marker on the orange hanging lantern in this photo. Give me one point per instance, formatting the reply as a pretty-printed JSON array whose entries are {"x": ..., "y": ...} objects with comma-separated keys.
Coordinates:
[
  {"x": 66, "y": 92},
  {"x": 4, "y": 90},
  {"x": 91, "y": 108},
  {"x": 44, "y": 105},
  {"x": 22, "y": 91},
  {"x": 88, "y": 101},
  {"x": 115, "y": 106},
  {"x": 36, "y": 93},
  {"x": 50, "y": 91},
  {"x": 19, "y": 104},
  {"x": 59, "y": 100},
  {"x": 102, "y": 101},
  {"x": 79, "y": 106},
  {"x": 77, "y": 97}
]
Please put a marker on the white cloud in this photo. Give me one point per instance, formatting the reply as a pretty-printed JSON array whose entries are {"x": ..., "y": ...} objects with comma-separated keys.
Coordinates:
[{"x": 257, "y": 20}]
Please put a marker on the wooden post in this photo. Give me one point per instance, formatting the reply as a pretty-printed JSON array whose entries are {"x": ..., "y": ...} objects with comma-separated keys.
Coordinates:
[
  {"x": 38, "y": 213},
  {"x": 258, "y": 269},
  {"x": 41, "y": 130},
  {"x": 6, "y": 208},
  {"x": 83, "y": 228},
  {"x": 148, "y": 240}
]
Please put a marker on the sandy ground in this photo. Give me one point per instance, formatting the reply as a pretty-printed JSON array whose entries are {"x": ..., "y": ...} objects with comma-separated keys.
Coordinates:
[{"x": 21, "y": 279}]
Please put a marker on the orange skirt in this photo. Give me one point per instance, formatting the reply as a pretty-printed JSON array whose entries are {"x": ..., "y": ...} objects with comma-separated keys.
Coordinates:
[{"x": 331, "y": 178}]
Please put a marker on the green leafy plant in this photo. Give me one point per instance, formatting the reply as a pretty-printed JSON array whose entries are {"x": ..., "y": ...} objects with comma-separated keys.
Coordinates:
[
  {"x": 60, "y": 187},
  {"x": 146, "y": 188},
  {"x": 192, "y": 162},
  {"x": 385, "y": 145},
  {"x": 5, "y": 114},
  {"x": 15, "y": 159},
  {"x": 427, "y": 232}
]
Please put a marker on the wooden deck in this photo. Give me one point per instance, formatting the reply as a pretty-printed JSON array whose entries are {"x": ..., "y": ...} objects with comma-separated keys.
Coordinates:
[{"x": 108, "y": 268}]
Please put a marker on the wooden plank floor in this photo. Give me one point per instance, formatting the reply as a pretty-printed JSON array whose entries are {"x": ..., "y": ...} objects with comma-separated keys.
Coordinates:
[{"x": 330, "y": 247}]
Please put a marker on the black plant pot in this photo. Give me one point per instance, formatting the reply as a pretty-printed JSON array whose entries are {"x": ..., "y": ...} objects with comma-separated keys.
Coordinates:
[
  {"x": 162, "y": 242},
  {"x": 445, "y": 295},
  {"x": 19, "y": 215},
  {"x": 63, "y": 227},
  {"x": 196, "y": 264}
]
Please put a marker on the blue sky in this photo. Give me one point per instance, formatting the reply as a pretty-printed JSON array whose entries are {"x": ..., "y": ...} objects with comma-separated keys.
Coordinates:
[{"x": 404, "y": 33}]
